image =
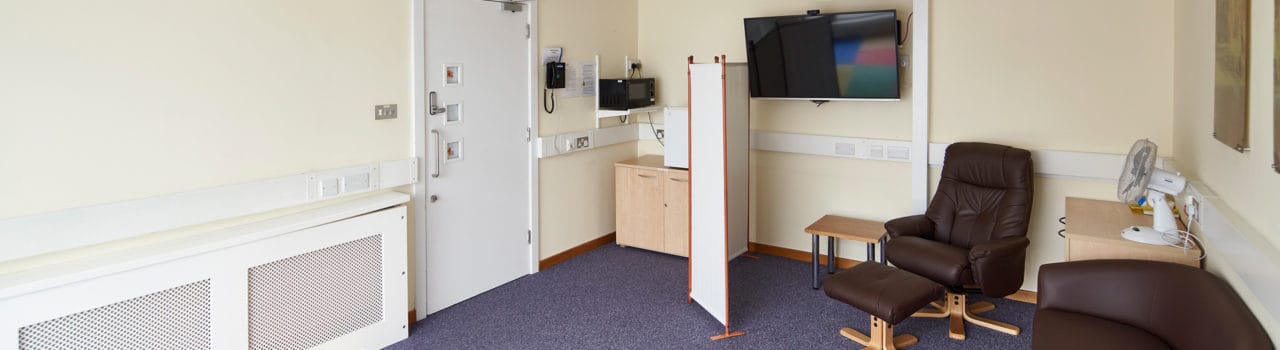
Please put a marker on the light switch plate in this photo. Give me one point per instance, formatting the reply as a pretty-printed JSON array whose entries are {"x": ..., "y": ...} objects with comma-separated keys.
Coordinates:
[
  {"x": 329, "y": 187},
  {"x": 357, "y": 182},
  {"x": 381, "y": 112},
  {"x": 901, "y": 153},
  {"x": 845, "y": 149}
]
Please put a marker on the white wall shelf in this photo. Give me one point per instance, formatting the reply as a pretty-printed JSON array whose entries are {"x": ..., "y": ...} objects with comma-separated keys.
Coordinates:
[{"x": 608, "y": 113}]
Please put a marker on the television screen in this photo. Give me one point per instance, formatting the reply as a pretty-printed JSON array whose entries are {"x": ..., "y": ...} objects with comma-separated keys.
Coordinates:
[{"x": 850, "y": 55}]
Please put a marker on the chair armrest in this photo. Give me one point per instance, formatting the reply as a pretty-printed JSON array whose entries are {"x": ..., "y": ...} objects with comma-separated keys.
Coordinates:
[
  {"x": 998, "y": 265},
  {"x": 915, "y": 225},
  {"x": 1188, "y": 308}
]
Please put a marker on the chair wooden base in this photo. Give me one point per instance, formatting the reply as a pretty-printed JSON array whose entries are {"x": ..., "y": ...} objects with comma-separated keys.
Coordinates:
[
  {"x": 954, "y": 307},
  {"x": 881, "y": 337}
]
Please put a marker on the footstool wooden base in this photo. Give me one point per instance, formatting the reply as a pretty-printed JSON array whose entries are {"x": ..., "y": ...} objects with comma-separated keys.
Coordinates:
[
  {"x": 955, "y": 308},
  {"x": 881, "y": 335}
]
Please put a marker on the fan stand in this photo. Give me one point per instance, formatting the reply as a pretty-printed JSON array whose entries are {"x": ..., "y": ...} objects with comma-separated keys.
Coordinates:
[
  {"x": 1144, "y": 234},
  {"x": 1163, "y": 224}
]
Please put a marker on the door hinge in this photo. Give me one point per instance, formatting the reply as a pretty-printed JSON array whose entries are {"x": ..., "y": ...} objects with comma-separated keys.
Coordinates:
[
  {"x": 528, "y": 31},
  {"x": 529, "y": 236},
  {"x": 528, "y": 134}
]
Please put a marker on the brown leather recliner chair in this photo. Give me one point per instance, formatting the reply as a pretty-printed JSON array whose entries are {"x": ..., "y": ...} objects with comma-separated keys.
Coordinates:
[
  {"x": 1136, "y": 305},
  {"x": 973, "y": 234}
]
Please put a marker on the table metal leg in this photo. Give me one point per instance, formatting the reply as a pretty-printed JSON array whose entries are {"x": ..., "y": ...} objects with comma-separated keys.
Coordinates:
[
  {"x": 871, "y": 252},
  {"x": 831, "y": 255},
  {"x": 882, "y": 251},
  {"x": 815, "y": 261}
]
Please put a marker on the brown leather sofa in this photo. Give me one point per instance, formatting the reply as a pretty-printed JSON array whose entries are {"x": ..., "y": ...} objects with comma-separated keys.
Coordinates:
[
  {"x": 1132, "y": 304},
  {"x": 973, "y": 233}
]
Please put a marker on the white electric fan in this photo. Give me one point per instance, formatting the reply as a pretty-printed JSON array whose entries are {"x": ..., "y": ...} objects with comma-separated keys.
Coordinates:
[{"x": 1140, "y": 182}]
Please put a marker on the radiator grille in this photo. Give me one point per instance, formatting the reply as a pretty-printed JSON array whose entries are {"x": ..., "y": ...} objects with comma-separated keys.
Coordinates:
[
  {"x": 305, "y": 300},
  {"x": 176, "y": 318}
]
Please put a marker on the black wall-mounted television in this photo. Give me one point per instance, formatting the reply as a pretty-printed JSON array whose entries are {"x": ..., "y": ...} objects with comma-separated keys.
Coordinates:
[{"x": 851, "y": 55}]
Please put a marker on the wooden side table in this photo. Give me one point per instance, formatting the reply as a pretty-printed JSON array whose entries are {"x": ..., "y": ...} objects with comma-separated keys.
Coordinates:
[
  {"x": 1093, "y": 232},
  {"x": 832, "y": 226}
]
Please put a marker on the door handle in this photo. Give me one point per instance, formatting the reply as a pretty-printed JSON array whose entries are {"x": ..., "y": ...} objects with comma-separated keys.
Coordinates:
[
  {"x": 647, "y": 176},
  {"x": 679, "y": 179},
  {"x": 439, "y": 146},
  {"x": 432, "y": 107}
]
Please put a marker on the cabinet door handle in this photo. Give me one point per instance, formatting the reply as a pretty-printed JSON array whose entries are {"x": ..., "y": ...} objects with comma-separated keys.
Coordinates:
[
  {"x": 646, "y": 176},
  {"x": 679, "y": 180}
]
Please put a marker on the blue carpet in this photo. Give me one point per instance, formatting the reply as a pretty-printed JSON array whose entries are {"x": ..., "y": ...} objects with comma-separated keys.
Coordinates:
[{"x": 626, "y": 298}]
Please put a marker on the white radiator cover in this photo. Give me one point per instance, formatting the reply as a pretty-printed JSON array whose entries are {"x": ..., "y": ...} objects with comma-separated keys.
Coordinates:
[{"x": 338, "y": 285}]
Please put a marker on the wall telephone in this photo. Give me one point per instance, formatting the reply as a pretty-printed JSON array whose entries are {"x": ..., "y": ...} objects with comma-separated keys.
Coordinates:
[
  {"x": 555, "y": 80},
  {"x": 555, "y": 75}
]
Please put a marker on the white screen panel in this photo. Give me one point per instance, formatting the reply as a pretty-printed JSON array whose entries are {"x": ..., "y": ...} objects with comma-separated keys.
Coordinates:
[
  {"x": 738, "y": 151},
  {"x": 707, "y": 250}
]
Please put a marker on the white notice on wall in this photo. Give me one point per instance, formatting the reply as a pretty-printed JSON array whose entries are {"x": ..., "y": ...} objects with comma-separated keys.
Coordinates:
[
  {"x": 579, "y": 80},
  {"x": 552, "y": 54},
  {"x": 572, "y": 81},
  {"x": 589, "y": 79}
]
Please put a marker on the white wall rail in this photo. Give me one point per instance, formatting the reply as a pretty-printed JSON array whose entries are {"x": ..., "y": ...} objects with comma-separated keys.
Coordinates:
[{"x": 28, "y": 236}]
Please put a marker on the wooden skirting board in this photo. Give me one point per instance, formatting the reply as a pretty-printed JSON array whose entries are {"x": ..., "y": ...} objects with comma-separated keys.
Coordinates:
[
  {"x": 798, "y": 255},
  {"x": 1021, "y": 295},
  {"x": 413, "y": 316},
  {"x": 576, "y": 251}
]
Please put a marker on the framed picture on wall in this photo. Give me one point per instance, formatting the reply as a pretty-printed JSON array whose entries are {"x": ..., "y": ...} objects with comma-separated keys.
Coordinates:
[{"x": 1231, "y": 75}]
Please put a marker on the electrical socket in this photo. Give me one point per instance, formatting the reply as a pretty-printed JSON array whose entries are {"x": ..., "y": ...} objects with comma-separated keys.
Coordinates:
[
  {"x": 631, "y": 64},
  {"x": 1193, "y": 209},
  {"x": 381, "y": 112},
  {"x": 582, "y": 142}
]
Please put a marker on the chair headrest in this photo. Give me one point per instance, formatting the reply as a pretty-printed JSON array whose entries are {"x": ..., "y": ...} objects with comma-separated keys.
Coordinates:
[{"x": 988, "y": 165}]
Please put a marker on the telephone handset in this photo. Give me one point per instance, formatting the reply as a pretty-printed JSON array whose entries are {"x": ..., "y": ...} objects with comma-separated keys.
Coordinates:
[{"x": 555, "y": 75}]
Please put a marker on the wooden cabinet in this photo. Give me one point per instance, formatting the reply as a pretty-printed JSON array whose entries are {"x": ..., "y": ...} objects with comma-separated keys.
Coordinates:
[
  {"x": 652, "y": 209},
  {"x": 676, "y": 212},
  {"x": 1093, "y": 232}
]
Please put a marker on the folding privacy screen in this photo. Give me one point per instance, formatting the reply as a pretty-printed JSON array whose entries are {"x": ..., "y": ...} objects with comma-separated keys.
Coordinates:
[{"x": 719, "y": 142}]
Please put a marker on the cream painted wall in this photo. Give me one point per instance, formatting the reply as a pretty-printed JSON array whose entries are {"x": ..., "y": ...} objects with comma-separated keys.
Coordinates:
[
  {"x": 1004, "y": 71},
  {"x": 584, "y": 28},
  {"x": 1053, "y": 75},
  {"x": 789, "y": 191},
  {"x": 577, "y": 197},
  {"x": 576, "y": 191},
  {"x": 105, "y": 102},
  {"x": 1244, "y": 181}
]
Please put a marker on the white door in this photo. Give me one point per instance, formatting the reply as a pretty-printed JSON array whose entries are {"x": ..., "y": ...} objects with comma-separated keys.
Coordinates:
[{"x": 478, "y": 158}]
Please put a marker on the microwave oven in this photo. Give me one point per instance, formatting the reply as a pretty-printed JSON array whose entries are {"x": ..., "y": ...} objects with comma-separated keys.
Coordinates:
[{"x": 624, "y": 94}]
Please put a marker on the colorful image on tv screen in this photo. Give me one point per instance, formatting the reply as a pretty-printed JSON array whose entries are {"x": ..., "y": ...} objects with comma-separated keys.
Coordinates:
[{"x": 866, "y": 67}]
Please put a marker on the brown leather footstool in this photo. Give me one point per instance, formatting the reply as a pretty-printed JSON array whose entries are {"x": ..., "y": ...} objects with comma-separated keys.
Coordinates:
[{"x": 890, "y": 295}]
